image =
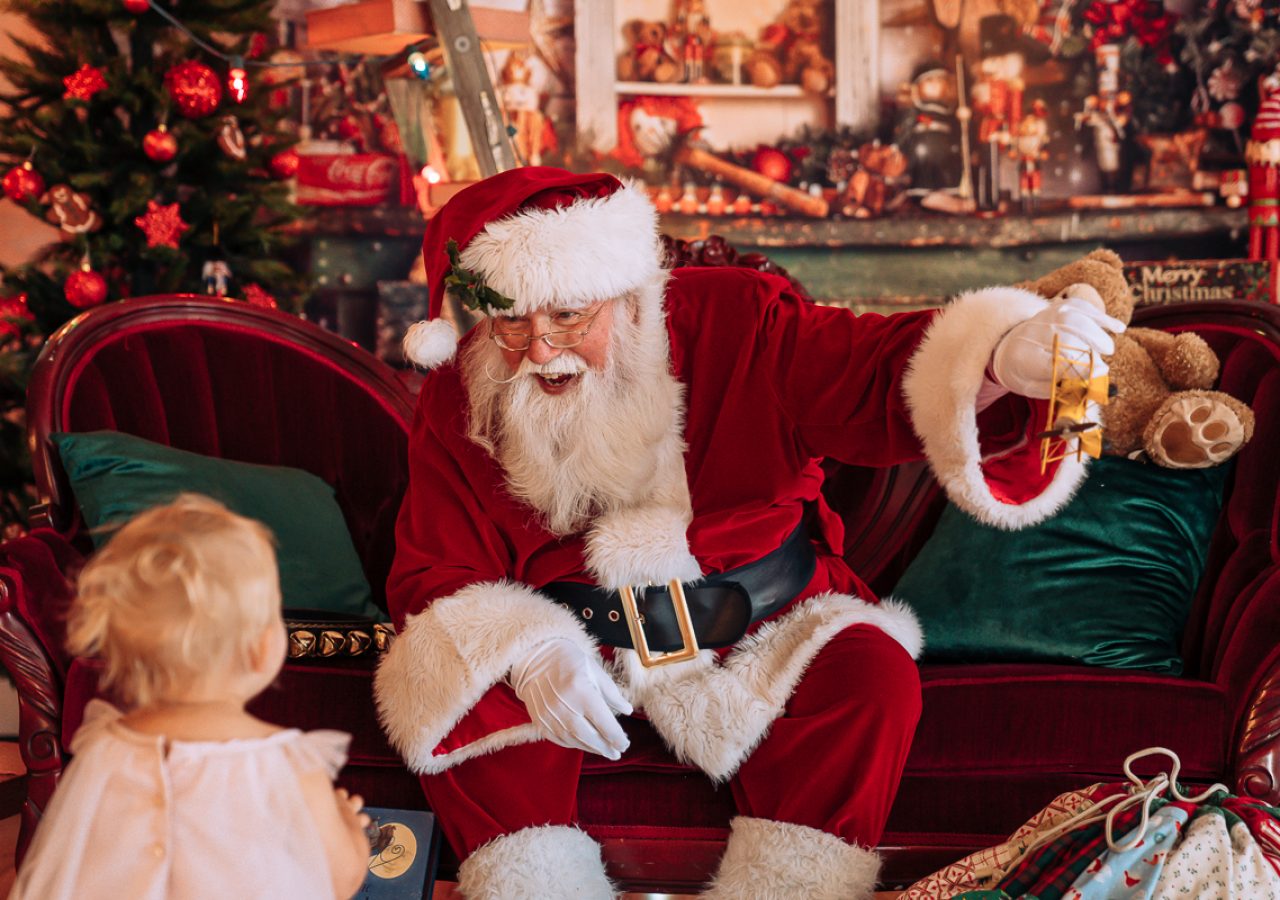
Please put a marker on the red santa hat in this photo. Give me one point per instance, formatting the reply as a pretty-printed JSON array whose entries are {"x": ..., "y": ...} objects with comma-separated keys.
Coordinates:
[{"x": 539, "y": 237}]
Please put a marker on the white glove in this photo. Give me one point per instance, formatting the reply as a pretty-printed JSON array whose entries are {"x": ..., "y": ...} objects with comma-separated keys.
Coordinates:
[
  {"x": 571, "y": 699},
  {"x": 1023, "y": 360}
]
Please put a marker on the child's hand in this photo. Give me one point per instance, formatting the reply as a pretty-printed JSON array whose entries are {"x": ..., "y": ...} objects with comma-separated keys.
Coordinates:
[
  {"x": 356, "y": 824},
  {"x": 350, "y": 806}
]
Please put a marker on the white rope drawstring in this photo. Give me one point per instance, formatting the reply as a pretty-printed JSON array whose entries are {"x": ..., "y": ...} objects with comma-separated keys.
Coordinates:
[{"x": 1144, "y": 792}]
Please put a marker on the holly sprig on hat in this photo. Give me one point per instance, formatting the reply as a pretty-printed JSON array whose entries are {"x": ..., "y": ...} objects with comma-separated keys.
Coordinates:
[{"x": 469, "y": 287}]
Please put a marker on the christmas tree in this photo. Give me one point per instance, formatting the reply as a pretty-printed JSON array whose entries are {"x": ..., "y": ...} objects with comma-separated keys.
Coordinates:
[{"x": 126, "y": 128}]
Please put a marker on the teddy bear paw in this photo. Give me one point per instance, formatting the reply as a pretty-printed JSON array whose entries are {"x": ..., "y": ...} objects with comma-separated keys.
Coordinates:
[{"x": 1194, "y": 431}]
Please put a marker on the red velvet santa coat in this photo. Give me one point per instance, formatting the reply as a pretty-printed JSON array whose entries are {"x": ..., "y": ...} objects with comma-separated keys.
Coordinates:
[{"x": 771, "y": 386}]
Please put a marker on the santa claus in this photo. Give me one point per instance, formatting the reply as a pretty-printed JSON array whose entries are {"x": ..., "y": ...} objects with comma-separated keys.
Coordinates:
[{"x": 612, "y": 425}]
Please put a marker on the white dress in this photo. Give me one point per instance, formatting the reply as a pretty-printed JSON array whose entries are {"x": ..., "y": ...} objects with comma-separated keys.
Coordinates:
[{"x": 215, "y": 819}]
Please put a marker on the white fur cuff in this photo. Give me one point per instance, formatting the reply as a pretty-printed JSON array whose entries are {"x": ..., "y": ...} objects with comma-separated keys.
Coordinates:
[
  {"x": 768, "y": 860},
  {"x": 448, "y": 656},
  {"x": 942, "y": 385},
  {"x": 536, "y": 863},
  {"x": 641, "y": 545}
]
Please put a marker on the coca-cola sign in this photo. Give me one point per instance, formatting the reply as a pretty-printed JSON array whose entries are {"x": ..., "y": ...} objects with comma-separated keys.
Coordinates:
[{"x": 348, "y": 179}]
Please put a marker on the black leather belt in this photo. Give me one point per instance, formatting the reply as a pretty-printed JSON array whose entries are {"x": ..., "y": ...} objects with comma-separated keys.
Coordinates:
[{"x": 722, "y": 606}]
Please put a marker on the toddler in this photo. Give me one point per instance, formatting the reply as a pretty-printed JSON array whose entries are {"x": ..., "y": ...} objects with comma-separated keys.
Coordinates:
[{"x": 181, "y": 793}]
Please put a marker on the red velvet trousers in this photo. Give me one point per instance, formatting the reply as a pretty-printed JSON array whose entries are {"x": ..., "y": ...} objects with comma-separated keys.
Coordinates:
[{"x": 832, "y": 761}]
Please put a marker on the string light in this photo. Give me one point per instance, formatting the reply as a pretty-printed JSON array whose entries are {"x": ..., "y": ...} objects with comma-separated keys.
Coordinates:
[
  {"x": 239, "y": 62},
  {"x": 430, "y": 175},
  {"x": 418, "y": 63},
  {"x": 237, "y": 79}
]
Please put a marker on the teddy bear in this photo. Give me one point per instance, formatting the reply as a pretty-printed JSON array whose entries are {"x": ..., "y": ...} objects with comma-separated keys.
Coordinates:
[
  {"x": 809, "y": 67},
  {"x": 1162, "y": 409},
  {"x": 789, "y": 50},
  {"x": 646, "y": 57},
  {"x": 874, "y": 185}
]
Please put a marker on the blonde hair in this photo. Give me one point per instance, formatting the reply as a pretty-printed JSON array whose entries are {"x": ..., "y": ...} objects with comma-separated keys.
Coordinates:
[{"x": 179, "y": 592}]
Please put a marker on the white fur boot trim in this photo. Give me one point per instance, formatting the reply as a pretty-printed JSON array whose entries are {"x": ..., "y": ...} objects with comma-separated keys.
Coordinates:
[
  {"x": 549, "y": 862},
  {"x": 714, "y": 713},
  {"x": 767, "y": 860}
]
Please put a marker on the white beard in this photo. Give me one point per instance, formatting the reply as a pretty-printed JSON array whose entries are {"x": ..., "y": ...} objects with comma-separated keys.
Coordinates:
[{"x": 612, "y": 441}]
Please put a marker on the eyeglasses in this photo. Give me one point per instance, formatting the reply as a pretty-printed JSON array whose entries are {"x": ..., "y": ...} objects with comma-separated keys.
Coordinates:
[{"x": 557, "y": 340}]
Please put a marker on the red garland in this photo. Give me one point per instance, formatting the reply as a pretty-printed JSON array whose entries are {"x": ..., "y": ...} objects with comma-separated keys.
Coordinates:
[
  {"x": 162, "y": 225},
  {"x": 1146, "y": 21},
  {"x": 84, "y": 83},
  {"x": 255, "y": 295}
]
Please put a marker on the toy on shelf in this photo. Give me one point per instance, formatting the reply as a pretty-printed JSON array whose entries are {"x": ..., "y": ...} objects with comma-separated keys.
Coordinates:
[
  {"x": 997, "y": 96},
  {"x": 790, "y": 50},
  {"x": 1262, "y": 154},
  {"x": 646, "y": 58},
  {"x": 928, "y": 131},
  {"x": 520, "y": 103},
  {"x": 693, "y": 38},
  {"x": 1107, "y": 114},
  {"x": 1029, "y": 151}
]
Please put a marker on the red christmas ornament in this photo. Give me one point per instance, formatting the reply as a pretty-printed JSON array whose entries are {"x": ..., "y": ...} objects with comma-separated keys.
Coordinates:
[
  {"x": 13, "y": 312},
  {"x": 85, "y": 288},
  {"x": 82, "y": 85},
  {"x": 285, "y": 163},
  {"x": 194, "y": 88},
  {"x": 137, "y": 7},
  {"x": 160, "y": 145},
  {"x": 162, "y": 225},
  {"x": 772, "y": 163},
  {"x": 22, "y": 183},
  {"x": 254, "y": 295}
]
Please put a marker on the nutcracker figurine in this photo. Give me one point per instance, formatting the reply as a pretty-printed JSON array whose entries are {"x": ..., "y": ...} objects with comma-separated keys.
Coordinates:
[
  {"x": 1029, "y": 151},
  {"x": 1262, "y": 154},
  {"x": 997, "y": 95},
  {"x": 692, "y": 35},
  {"x": 1107, "y": 112},
  {"x": 928, "y": 132}
]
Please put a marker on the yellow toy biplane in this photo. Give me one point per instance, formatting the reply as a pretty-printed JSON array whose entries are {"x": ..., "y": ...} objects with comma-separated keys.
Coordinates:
[{"x": 1068, "y": 430}]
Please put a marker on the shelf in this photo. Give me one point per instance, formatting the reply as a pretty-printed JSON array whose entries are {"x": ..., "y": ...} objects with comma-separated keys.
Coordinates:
[
  {"x": 741, "y": 91},
  {"x": 349, "y": 221},
  {"x": 905, "y": 230},
  {"x": 918, "y": 230}
]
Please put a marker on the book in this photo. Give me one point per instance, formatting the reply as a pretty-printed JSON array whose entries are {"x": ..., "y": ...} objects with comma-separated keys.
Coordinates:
[{"x": 403, "y": 856}]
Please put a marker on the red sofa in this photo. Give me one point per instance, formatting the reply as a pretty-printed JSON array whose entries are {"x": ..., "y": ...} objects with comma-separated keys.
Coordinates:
[{"x": 996, "y": 742}]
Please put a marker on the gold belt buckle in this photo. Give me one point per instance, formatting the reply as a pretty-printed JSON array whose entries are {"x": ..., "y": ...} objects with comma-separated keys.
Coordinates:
[{"x": 688, "y": 651}]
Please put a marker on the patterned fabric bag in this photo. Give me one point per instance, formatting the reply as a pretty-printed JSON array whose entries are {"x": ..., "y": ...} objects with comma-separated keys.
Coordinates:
[{"x": 1134, "y": 840}]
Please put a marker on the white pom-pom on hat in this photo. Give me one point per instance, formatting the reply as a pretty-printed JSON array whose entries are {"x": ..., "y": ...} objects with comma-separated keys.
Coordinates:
[{"x": 430, "y": 343}]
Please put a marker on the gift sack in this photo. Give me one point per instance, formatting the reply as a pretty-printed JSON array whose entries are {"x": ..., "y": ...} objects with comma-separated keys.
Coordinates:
[{"x": 1134, "y": 840}]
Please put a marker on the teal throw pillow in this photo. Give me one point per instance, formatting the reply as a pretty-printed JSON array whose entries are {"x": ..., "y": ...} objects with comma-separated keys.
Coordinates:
[
  {"x": 115, "y": 476},
  {"x": 1108, "y": 581}
]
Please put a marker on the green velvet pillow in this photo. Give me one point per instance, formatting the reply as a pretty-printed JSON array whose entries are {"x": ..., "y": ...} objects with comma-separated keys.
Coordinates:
[
  {"x": 115, "y": 476},
  {"x": 1108, "y": 581}
]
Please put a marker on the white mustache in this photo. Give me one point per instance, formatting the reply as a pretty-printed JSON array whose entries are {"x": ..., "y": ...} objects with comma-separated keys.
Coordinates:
[{"x": 567, "y": 363}]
